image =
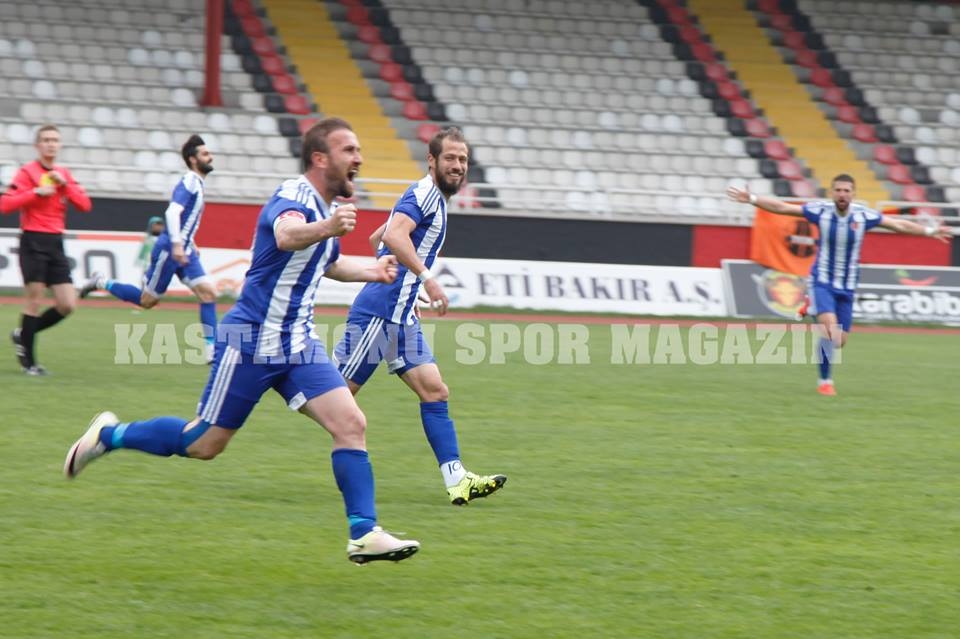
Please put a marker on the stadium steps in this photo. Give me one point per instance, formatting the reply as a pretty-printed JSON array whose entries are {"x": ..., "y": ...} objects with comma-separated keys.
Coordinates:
[
  {"x": 785, "y": 102},
  {"x": 263, "y": 57},
  {"x": 398, "y": 83},
  {"x": 717, "y": 83},
  {"x": 337, "y": 85},
  {"x": 845, "y": 104}
]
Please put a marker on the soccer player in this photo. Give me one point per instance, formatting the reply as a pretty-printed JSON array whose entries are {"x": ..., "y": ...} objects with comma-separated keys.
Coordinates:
[
  {"x": 174, "y": 252},
  {"x": 836, "y": 268},
  {"x": 267, "y": 340},
  {"x": 383, "y": 323},
  {"x": 40, "y": 190}
]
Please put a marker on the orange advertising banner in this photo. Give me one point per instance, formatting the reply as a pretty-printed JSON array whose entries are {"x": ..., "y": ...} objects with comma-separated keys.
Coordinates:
[{"x": 783, "y": 242}]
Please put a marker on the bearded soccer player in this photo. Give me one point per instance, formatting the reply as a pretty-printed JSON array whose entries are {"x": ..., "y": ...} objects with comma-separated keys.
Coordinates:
[
  {"x": 383, "y": 323},
  {"x": 174, "y": 252},
  {"x": 40, "y": 191},
  {"x": 836, "y": 268},
  {"x": 267, "y": 341}
]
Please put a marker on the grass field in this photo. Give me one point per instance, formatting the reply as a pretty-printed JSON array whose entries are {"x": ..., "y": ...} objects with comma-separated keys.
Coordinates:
[{"x": 688, "y": 501}]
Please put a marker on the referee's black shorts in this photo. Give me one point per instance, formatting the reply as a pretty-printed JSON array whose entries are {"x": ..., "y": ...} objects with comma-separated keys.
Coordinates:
[{"x": 42, "y": 258}]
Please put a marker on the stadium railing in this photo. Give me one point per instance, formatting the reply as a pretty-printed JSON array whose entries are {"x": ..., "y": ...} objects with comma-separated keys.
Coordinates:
[{"x": 639, "y": 205}]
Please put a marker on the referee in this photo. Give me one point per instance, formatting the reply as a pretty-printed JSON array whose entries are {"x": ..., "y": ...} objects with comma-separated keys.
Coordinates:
[{"x": 40, "y": 191}]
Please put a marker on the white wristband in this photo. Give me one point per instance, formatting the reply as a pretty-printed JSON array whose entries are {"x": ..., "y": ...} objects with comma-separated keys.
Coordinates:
[
  {"x": 753, "y": 198},
  {"x": 425, "y": 275},
  {"x": 930, "y": 230}
]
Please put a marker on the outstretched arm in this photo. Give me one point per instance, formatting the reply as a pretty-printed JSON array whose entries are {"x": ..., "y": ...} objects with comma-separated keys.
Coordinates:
[
  {"x": 771, "y": 204},
  {"x": 909, "y": 227},
  {"x": 351, "y": 269}
]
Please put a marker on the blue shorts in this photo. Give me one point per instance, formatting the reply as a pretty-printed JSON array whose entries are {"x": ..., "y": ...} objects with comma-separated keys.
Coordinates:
[
  {"x": 370, "y": 340},
  {"x": 163, "y": 267},
  {"x": 824, "y": 299},
  {"x": 237, "y": 382}
]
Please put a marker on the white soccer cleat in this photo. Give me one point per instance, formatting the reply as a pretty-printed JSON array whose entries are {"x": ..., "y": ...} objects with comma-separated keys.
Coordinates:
[
  {"x": 88, "y": 447},
  {"x": 96, "y": 282},
  {"x": 379, "y": 545}
]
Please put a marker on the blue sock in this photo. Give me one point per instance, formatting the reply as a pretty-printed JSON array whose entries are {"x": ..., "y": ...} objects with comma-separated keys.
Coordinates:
[
  {"x": 158, "y": 436},
  {"x": 208, "y": 317},
  {"x": 440, "y": 431},
  {"x": 354, "y": 475},
  {"x": 826, "y": 354},
  {"x": 125, "y": 292}
]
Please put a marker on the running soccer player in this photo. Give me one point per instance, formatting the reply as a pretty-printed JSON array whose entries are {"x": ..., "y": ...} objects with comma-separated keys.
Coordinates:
[
  {"x": 836, "y": 268},
  {"x": 40, "y": 190},
  {"x": 383, "y": 323},
  {"x": 174, "y": 252},
  {"x": 267, "y": 340}
]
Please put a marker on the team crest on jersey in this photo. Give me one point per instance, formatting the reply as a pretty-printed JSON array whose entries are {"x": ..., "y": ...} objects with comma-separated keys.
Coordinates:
[{"x": 781, "y": 292}]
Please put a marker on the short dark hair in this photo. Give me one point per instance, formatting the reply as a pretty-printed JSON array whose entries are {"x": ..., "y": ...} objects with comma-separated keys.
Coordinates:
[
  {"x": 44, "y": 128},
  {"x": 315, "y": 139},
  {"x": 190, "y": 147},
  {"x": 843, "y": 177},
  {"x": 454, "y": 133}
]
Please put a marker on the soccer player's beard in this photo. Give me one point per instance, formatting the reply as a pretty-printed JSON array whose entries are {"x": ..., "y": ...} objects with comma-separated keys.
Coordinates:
[
  {"x": 448, "y": 189},
  {"x": 206, "y": 169},
  {"x": 344, "y": 187}
]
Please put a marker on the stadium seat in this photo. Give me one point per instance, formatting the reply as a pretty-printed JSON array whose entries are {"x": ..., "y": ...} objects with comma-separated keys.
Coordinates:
[
  {"x": 864, "y": 133},
  {"x": 757, "y": 128},
  {"x": 885, "y": 153},
  {"x": 914, "y": 193},
  {"x": 776, "y": 149},
  {"x": 899, "y": 174}
]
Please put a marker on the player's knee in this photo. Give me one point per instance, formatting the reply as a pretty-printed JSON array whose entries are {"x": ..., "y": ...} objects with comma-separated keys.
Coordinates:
[
  {"x": 436, "y": 392},
  {"x": 206, "y": 295},
  {"x": 356, "y": 423},
  {"x": 351, "y": 428},
  {"x": 148, "y": 301},
  {"x": 206, "y": 449},
  {"x": 204, "y": 452},
  {"x": 65, "y": 308}
]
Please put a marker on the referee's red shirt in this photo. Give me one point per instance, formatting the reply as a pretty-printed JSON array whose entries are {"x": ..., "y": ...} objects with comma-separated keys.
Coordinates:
[{"x": 38, "y": 213}]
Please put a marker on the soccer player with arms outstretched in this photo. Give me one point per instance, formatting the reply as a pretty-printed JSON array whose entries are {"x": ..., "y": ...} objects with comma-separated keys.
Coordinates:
[
  {"x": 836, "y": 268},
  {"x": 383, "y": 322},
  {"x": 267, "y": 340}
]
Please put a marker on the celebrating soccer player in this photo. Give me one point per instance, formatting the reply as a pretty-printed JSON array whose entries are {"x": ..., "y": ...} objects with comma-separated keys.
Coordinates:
[
  {"x": 836, "y": 268},
  {"x": 174, "y": 252},
  {"x": 267, "y": 340},
  {"x": 383, "y": 322}
]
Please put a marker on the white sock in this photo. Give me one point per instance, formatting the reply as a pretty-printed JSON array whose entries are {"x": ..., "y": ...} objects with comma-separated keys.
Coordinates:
[
  {"x": 824, "y": 381},
  {"x": 453, "y": 472}
]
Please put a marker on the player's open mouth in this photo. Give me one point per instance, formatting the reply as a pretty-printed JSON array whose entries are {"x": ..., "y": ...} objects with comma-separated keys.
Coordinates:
[{"x": 352, "y": 174}]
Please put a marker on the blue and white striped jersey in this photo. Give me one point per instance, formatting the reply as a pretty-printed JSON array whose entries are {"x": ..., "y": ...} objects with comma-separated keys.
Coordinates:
[
  {"x": 279, "y": 290},
  {"x": 424, "y": 204},
  {"x": 188, "y": 193},
  {"x": 837, "y": 264}
]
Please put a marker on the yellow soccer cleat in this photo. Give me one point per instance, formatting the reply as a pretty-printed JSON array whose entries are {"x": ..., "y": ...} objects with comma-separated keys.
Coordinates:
[{"x": 474, "y": 487}]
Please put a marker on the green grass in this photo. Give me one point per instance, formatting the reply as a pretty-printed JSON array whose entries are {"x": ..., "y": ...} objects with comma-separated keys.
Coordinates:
[{"x": 643, "y": 501}]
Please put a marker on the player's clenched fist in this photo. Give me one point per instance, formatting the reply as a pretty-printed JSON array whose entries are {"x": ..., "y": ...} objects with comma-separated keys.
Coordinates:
[{"x": 343, "y": 220}]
